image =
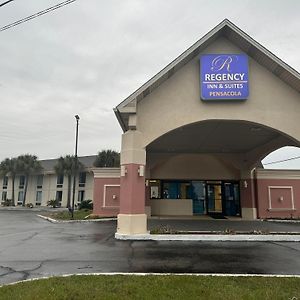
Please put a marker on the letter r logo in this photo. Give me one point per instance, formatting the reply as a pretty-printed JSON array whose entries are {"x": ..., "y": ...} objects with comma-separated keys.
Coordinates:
[{"x": 221, "y": 62}]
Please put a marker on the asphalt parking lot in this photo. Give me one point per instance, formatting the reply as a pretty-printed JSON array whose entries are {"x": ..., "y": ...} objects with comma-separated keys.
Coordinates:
[{"x": 31, "y": 247}]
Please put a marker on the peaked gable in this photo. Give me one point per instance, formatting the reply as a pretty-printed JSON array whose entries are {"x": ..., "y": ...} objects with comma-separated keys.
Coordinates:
[{"x": 235, "y": 35}]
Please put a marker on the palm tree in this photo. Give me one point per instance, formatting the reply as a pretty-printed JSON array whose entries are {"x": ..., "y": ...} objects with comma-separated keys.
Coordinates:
[
  {"x": 107, "y": 159},
  {"x": 66, "y": 166},
  {"x": 28, "y": 164},
  {"x": 9, "y": 166}
]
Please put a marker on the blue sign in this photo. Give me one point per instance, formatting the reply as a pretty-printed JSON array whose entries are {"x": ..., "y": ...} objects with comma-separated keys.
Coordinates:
[{"x": 224, "y": 76}]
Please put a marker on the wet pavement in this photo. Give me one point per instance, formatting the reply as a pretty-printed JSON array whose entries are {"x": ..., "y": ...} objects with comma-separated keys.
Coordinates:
[{"x": 31, "y": 247}]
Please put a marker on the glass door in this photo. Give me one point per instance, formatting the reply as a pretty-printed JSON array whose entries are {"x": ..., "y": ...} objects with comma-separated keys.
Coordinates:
[
  {"x": 214, "y": 198},
  {"x": 198, "y": 196},
  {"x": 232, "y": 199}
]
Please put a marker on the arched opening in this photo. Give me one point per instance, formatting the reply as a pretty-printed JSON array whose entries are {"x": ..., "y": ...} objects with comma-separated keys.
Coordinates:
[
  {"x": 207, "y": 167},
  {"x": 287, "y": 158}
]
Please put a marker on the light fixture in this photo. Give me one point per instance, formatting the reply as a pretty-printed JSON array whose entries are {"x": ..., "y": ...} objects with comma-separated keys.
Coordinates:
[
  {"x": 123, "y": 171},
  {"x": 141, "y": 170}
]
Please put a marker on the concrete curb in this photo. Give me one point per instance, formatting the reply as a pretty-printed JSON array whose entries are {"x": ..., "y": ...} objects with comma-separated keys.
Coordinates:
[
  {"x": 76, "y": 221},
  {"x": 156, "y": 274},
  {"x": 211, "y": 238},
  {"x": 282, "y": 221}
]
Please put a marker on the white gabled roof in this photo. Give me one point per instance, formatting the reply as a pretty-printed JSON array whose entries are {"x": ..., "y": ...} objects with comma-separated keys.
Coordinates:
[{"x": 233, "y": 34}]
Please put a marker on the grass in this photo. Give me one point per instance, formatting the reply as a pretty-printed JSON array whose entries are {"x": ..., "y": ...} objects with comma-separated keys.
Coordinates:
[{"x": 154, "y": 287}]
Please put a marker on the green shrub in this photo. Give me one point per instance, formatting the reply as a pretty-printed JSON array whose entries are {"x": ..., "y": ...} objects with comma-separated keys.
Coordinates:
[
  {"x": 7, "y": 202},
  {"x": 163, "y": 229},
  {"x": 52, "y": 203},
  {"x": 86, "y": 204}
]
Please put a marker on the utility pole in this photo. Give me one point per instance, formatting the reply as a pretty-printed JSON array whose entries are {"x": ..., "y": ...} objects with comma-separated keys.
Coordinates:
[{"x": 76, "y": 165}]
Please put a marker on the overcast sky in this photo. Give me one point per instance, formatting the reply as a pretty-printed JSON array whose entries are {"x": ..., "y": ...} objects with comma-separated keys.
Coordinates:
[{"x": 86, "y": 57}]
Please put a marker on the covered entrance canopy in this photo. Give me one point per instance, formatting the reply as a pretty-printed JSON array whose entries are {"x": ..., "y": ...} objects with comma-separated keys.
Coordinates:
[
  {"x": 200, "y": 164},
  {"x": 248, "y": 141},
  {"x": 171, "y": 133}
]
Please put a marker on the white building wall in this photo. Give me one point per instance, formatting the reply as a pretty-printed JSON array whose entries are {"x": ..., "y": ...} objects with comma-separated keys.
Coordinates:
[{"x": 49, "y": 189}]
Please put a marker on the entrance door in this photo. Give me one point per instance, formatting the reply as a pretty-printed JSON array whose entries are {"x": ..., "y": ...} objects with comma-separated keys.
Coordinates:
[
  {"x": 232, "y": 199},
  {"x": 198, "y": 196},
  {"x": 214, "y": 198}
]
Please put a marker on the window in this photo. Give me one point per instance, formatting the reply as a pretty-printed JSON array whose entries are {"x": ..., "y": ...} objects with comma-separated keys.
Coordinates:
[
  {"x": 80, "y": 196},
  {"x": 20, "y": 198},
  {"x": 176, "y": 190},
  {"x": 21, "y": 181},
  {"x": 39, "y": 181},
  {"x": 58, "y": 197},
  {"x": 38, "y": 199},
  {"x": 82, "y": 179},
  {"x": 60, "y": 181},
  {"x": 4, "y": 196},
  {"x": 5, "y": 182}
]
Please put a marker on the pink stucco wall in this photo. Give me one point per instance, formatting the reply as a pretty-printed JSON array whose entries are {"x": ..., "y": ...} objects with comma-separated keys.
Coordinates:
[
  {"x": 132, "y": 191},
  {"x": 278, "y": 193},
  {"x": 247, "y": 193},
  {"x": 112, "y": 196}
]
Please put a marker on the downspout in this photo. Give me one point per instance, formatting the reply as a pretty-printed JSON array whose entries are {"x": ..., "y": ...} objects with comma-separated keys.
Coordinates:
[{"x": 254, "y": 191}]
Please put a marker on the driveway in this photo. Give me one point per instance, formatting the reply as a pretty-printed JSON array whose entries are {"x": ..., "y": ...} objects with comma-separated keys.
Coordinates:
[{"x": 31, "y": 247}]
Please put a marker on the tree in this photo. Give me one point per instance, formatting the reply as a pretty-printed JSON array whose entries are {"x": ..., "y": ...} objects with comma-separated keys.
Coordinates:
[
  {"x": 28, "y": 164},
  {"x": 66, "y": 166},
  {"x": 107, "y": 159},
  {"x": 9, "y": 167}
]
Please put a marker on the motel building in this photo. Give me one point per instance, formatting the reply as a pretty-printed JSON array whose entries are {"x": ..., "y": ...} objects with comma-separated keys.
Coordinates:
[
  {"x": 195, "y": 135},
  {"x": 46, "y": 185},
  {"x": 193, "y": 140}
]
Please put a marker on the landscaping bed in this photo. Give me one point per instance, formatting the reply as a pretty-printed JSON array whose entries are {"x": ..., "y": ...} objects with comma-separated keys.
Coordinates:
[
  {"x": 65, "y": 215},
  {"x": 228, "y": 231}
]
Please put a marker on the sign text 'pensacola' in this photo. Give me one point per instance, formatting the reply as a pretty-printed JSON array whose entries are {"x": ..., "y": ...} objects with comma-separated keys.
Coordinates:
[{"x": 224, "y": 76}]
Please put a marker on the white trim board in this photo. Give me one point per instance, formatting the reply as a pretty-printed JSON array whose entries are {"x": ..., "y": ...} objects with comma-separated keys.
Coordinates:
[{"x": 270, "y": 199}]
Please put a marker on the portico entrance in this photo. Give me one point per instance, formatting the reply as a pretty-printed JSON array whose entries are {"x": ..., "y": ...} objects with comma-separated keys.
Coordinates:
[{"x": 203, "y": 151}]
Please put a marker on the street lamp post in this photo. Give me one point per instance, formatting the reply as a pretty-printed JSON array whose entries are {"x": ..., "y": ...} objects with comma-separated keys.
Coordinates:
[{"x": 76, "y": 165}]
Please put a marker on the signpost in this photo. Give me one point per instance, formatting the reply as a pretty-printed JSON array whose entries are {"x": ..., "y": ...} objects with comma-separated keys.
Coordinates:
[{"x": 224, "y": 77}]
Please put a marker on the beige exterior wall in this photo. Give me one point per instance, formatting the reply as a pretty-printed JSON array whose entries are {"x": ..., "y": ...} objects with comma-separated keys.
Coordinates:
[
  {"x": 171, "y": 207},
  {"x": 49, "y": 189},
  {"x": 190, "y": 166},
  {"x": 176, "y": 102}
]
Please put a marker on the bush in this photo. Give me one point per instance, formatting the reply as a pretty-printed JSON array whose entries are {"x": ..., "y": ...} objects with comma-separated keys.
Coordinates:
[
  {"x": 7, "y": 202},
  {"x": 163, "y": 229},
  {"x": 52, "y": 203},
  {"x": 29, "y": 205},
  {"x": 86, "y": 204}
]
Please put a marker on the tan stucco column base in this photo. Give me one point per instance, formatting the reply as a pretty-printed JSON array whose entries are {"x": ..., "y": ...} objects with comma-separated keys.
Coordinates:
[
  {"x": 132, "y": 224},
  {"x": 249, "y": 213}
]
